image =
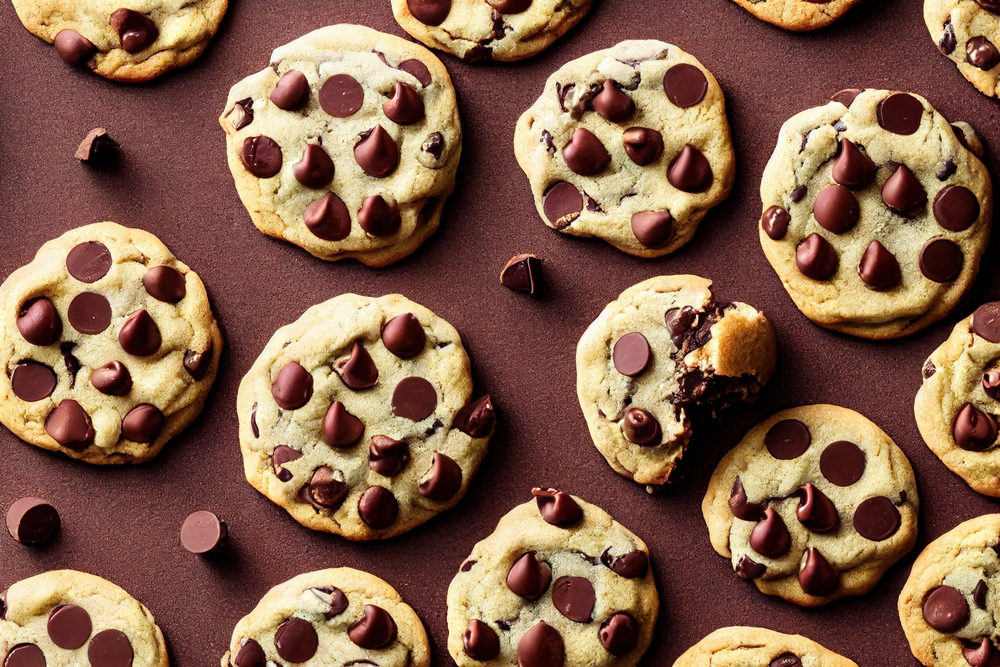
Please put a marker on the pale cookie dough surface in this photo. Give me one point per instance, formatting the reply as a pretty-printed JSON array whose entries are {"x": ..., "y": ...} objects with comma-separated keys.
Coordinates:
[
  {"x": 968, "y": 32},
  {"x": 65, "y": 618},
  {"x": 412, "y": 183},
  {"x": 825, "y": 493},
  {"x": 610, "y": 577},
  {"x": 566, "y": 136},
  {"x": 798, "y": 15},
  {"x": 48, "y": 390},
  {"x": 705, "y": 355},
  {"x": 320, "y": 343},
  {"x": 184, "y": 29},
  {"x": 905, "y": 288},
  {"x": 758, "y": 647},
  {"x": 338, "y": 616}
]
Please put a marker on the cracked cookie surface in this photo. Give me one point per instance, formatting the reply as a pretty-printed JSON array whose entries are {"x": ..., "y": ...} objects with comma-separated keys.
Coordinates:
[
  {"x": 742, "y": 646},
  {"x": 798, "y": 15},
  {"x": 968, "y": 33}
]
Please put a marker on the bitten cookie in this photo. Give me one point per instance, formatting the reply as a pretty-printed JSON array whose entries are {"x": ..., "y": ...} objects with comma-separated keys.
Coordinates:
[
  {"x": 108, "y": 344},
  {"x": 659, "y": 359},
  {"x": 476, "y": 30},
  {"x": 798, "y": 15},
  {"x": 631, "y": 145},
  {"x": 758, "y": 647},
  {"x": 876, "y": 213},
  {"x": 346, "y": 145},
  {"x": 559, "y": 582},
  {"x": 967, "y": 31},
  {"x": 814, "y": 504},
  {"x": 358, "y": 418},
  {"x": 135, "y": 41},
  {"x": 338, "y": 616},
  {"x": 64, "y": 618}
]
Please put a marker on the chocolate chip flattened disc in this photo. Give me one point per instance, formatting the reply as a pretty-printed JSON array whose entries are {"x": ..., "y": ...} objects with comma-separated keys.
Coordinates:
[
  {"x": 758, "y": 647},
  {"x": 110, "y": 344},
  {"x": 969, "y": 36},
  {"x": 814, "y": 504},
  {"x": 347, "y": 145},
  {"x": 340, "y": 612},
  {"x": 662, "y": 353},
  {"x": 366, "y": 429},
  {"x": 559, "y": 583},
  {"x": 876, "y": 212},
  {"x": 630, "y": 145}
]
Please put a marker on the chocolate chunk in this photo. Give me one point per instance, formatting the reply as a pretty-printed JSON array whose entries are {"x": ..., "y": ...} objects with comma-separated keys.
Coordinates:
[
  {"x": 198, "y": 363},
  {"x": 980, "y": 52},
  {"x": 557, "y": 507},
  {"x": 31, "y": 381},
  {"x": 815, "y": 511},
  {"x": 376, "y": 153},
  {"x": 97, "y": 148},
  {"x": 816, "y": 575},
  {"x": 418, "y": 70},
  {"x": 979, "y": 594},
  {"x": 332, "y": 596},
  {"x": 612, "y": 104},
  {"x": 434, "y": 145},
  {"x": 946, "y": 610},
  {"x": 73, "y": 47},
  {"x": 70, "y": 426},
  {"x": 509, "y": 6},
  {"x": 653, "y": 229},
  {"x": 315, "y": 169},
  {"x": 816, "y": 258},
  {"x": 69, "y": 626},
  {"x": 143, "y": 423},
  {"x": 774, "y": 222},
  {"x": 341, "y": 95},
  {"x": 946, "y": 170},
  {"x": 164, "y": 283},
  {"x": 786, "y": 660},
  {"x": 642, "y": 145},
  {"x": 585, "y": 154},
  {"x": 747, "y": 568},
  {"x": 740, "y": 507},
  {"x": 528, "y": 576},
  {"x": 340, "y": 427},
  {"x": 853, "y": 169},
  {"x": 477, "y": 418},
  {"x": 443, "y": 480},
  {"x": 903, "y": 193},
  {"x": 253, "y": 421},
  {"x": 541, "y": 646},
  {"x": 261, "y": 156},
  {"x": 846, "y": 96},
  {"x": 523, "y": 273},
  {"x": 574, "y": 598},
  {"x": 787, "y": 439},
  {"x": 685, "y": 85},
  {"x": 940, "y": 260},
  {"x": 619, "y": 634},
  {"x": 375, "y": 630},
  {"x": 405, "y": 107},
  {"x": 690, "y": 171},
  {"x": 250, "y": 655},
  {"x": 986, "y": 321},
  {"x": 842, "y": 463},
  {"x": 900, "y": 113},
  {"x": 110, "y": 648},
  {"x": 291, "y": 92},
  {"x": 328, "y": 218},
  {"x": 929, "y": 369},
  {"x": 798, "y": 194},
  {"x": 203, "y": 532},
  {"x": 136, "y": 31},
  {"x": 359, "y": 371},
  {"x": 948, "y": 41},
  {"x": 562, "y": 204},
  {"x": 876, "y": 519},
  {"x": 770, "y": 537},
  {"x": 404, "y": 336},
  {"x": 974, "y": 430},
  {"x": 836, "y": 209},
  {"x": 296, "y": 640},
  {"x": 641, "y": 428},
  {"x": 387, "y": 456},
  {"x": 39, "y": 322},
  {"x": 955, "y": 208},
  {"x": 33, "y": 521},
  {"x": 25, "y": 655},
  {"x": 429, "y": 12},
  {"x": 292, "y": 387},
  {"x": 632, "y": 565},
  {"x": 879, "y": 267},
  {"x": 991, "y": 383},
  {"x": 140, "y": 336},
  {"x": 480, "y": 641},
  {"x": 379, "y": 218},
  {"x": 631, "y": 354},
  {"x": 327, "y": 487},
  {"x": 282, "y": 455},
  {"x": 378, "y": 507},
  {"x": 241, "y": 114},
  {"x": 89, "y": 262},
  {"x": 978, "y": 656}
]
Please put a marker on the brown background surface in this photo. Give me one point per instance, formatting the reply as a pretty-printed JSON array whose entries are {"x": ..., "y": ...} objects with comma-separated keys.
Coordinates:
[{"x": 123, "y": 523}]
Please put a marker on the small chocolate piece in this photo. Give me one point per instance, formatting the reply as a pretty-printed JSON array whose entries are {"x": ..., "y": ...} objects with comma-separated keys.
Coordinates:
[
  {"x": 110, "y": 648},
  {"x": 557, "y": 507},
  {"x": 340, "y": 427},
  {"x": 798, "y": 194},
  {"x": 774, "y": 222},
  {"x": 653, "y": 229},
  {"x": 510, "y": 6},
  {"x": 941, "y": 260},
  {"x": 816, "y": 257},
  {"x": 853, "y": 169},
  {"x": 39, "y": 322},
  {"x": 978, "y": 656},
  {"x": 97, "y": 148},
  {"x": 250, "y": 655},
  {"x": 946, "y": 610},
  {"x": 241, "y": 114},
  {"x": 562, "y": 204},
  {"x": 282, "y": 455},
  {"x": 903, "y": 193},
  {"x": 405, "y": 107},
  {"x": 528, "y": 576},
  {"x": 990, "y": 5},
  {"x": 879, "y": 267},
  {"x": 787, "y": 439},
  {"x": 164, "y": 283},
  {"x": 619, "y": 634},
  {"x": 815, "y": 511},
  {"x": 816, "y": 575},
  {"x": 140, "y": 336},
  {"x": 328, "y": 218},
  {"x": 842, "y": 463},
  {"x": 974, "y": 430},
  {"x": 334, "y": 597},
  {"x": 631, "y": 354},
  {"x": 378, "y": 507},
  {"x": 31, "y": 381},
  {"x": 991, "y": 383},
  {"x": 948, "y": 40},
  {"x": 70, "y": 426},
  {"x": 315, "y": 169},
  {"x": 679, "y": 323},
  {"x": 690, "y": 171},
  {"x": 632, "y": 565},
  {"x": 429, "y": 12},
  {"x": 198, "y": 363},
  {"x": 836, "y": 209},
  {"x": 404, "y": 336},
  {"x": 69, "y": 626},
  {"x": 376, "y": 153},
  {"x": 986, "y": 321},
  {"x": 296, "y": 640},
  {"x": 980, "y": 52},
  {"x": 73, "y": 47},
  {"x": 770, "y": 537},
  {"x": 88, "y": 262},
  {"x": 417, "y": 69},
  {"x": 341, "y": 95},
  {"x": 523, "y": 273},
  {"x": 136, "y": 31},
  {"x": 375, "y": 630},
  {"x": 956, "y": 208},
  {"x": 541, "y": 646},
  {"x": 443, "y": 480},
  {"x": 33, "y": 521},
  {"x": 359, "y": 371},
  {"x": 612, "y": 104},
  {"x": 846, "y": 96},
  {"x": 291, "y": 92},
  {"x": 747, "y": 568},
  {"x": 434, "y": 145},
  {"x": 642, "y": 145},
  {"x": 25, "y": 655},
  {"x": 979, "y": 594},
  {"x": 641, "y": 428},
  {"x": 203, "y": 532},
  {"x": 740, "y": 507},
  {"x": 327, "y": 488},
  {"x": 477, "y": 418},
  {"x": 585, "y": 154},
  {"x": 292, "y": 387},
  {"x": 480, "y": 641},
  {"x": 900, "y": 113},
  {"x": 379, "y": 218},
  {"x": 574, "y": 598},
  {"x": 876, "y": 519},
  {"x": 685, "y": 85},
  {"x": 786, "y": 660},
  {"x": 387, "y": 456},
  {"x": 261, "y": 156},
  {"x": 143, "y": 423}
]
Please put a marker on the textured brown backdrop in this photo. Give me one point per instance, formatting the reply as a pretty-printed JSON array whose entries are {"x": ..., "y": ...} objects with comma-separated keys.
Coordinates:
[{"x": 123, "y": 523}]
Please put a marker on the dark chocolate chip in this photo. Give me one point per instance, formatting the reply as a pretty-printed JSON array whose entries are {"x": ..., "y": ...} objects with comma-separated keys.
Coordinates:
[
  {"x": 631, "y": 354},
  {"x": 261, "y": 156},
  {"x": 434, "y": 145},
  {"x": 328, "y": 218},
  {"x": 853, "y": 169},
  {"x": 747, "y": 568},
  {"x": 198, "y": 363},
  {"x": 164, "y": 283},
  {"x": 404, "y": 336},
  {"x": 334, "y": 598},
  {"x": 250, "y": 655},
  {"x": 816, "y": 575},
  {"x": 612, "y": 104},
  {"x": 541, "y": 646},
  {"x": 359, "y": 371},
  {"x": 690, "y": 171},
  {"x": 405, "y": 107},
  {"x": 375, "y": 630},
  {"x": 341, "y": 95},
  {"x": 946, "y": 610},
  {"x": 846, "y": 96},
  {"x": 557, "y": 507},
  {"x": 619, "y": 634},
  {"x": 679, "y": 322},
  {"x": 378, "y": 507},
  {"x": 97, "y": 148},
  {"x": 836, "y": 209},
  {"x": 296, "y": 640},
  {"x": 480, "y": 641},
  {"x": 376, "y": 153},
  {"x": 774, "y": 222},
  {"x": 786, "y": 660},
  {"x": 787, "y": 439},
  {"x": 39, "y": 322},
  {"x": 903, "y": 193},
  {"x": 562, "y": 204},
  {"x": 528, "y": 576},
  {"x": 956, "y": 208},
  {"x": 653, "y": 229},
  {"x": 940, "y": 260},
  {"x": 89, "y": 262},
  {"x": 136, "y": 31},
  {"x": 203, "y": 532},
  {"x": 282, "y": 455},
  {"x": 253, "y": 421},
  {"x": 143, "y": 423},
  {"x": 31, "y": 381},
  {"x": 974, "y": 430},
  {"x": 585, "y": 154},
  {"x": 315, "y": 169},
  {"x": 69, "y": 626},
  {"x": 25, "y": 655},
  {"x": 842, "y": 463},
  {"x": 110, "y": 648},
  {"x": 70, "y": 426},
  {"x": 929, "y": 370},
  {"x": 574, "y": 598},
  {"x": 291, "y": 92},
  {"x": 632, "y": 565},
  {"x": 979, "y": 594},
  {"x": 685, "y": 85},
  {"x": 740, "y": 507},
  {"x": 443, "y": 480},
  {"x": 642, "y": 145},
  {"x": 991, "y": 383},
  {"x": 340, "y": 427},
  {"x": 876, "y": 519},
  {"x": 986, "y": 321},
  {"x": 140, "y": 336},
  {"x": 798, "y": 194},
  {"x": 292, "y": 387},
  {"x": 523, "y": 273},
  {"x": 948, "y": 41},
  {"x": 241, "y": 114},
  {"x": 429, "y": 12},
  {"x": 900, "y": 113},
  {"x": 327, "y": 488},
  {"x": 387, "y": 456},
  {"x": 477, "y": 418},
  {"x": 879, "y": 267},
  {"x": 73, "y": 47},
  {"x": 980, "y": 52},
  {"x": 816, "y": 511},
  {"x": 418, "y": 70},
  {"x": 509, "y": 6},
  {"x": 641, "y": 428},
  {"x": 379, "y": 218},
  {"x": 978, "y": 656},
  {"x": 769, "y": 536},
  {"x": 33, "y": 521},
  {"x": 816, "y": 258}
]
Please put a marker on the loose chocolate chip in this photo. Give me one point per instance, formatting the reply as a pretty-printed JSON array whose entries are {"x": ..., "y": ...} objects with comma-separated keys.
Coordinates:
[
  {"x": 619, "y": 634},
  {"x": 557, "y": 507},
  {"x": 612, "y": 104},
  {"x": 846, "y": 96},
  {"x": 562, "y": 204},
  {"x": 774, "y": 222},
  {"x": 296, "y": 640},
  {"x": 900, "y": 113},
  {"x": 73, "y": 47},
  {"x": 404, "y": 336},
  {"x": 292, "y": 387},
  {"x": 241, "y": 114},
  {"x": 815, "y": 511},
  {"x": 528, "y": 576},
  {"x": 33, "y": 521},
  {"x": 940, "y": 260},
  {"x": 786, "y": 660},
  {"x": 340, "y": 427},
  {"x": 770, "y": 537},
  {"x": 429, "y": 12},
  {"x": 948, "y": 41},
  {"x": 328, "y": 218},
  {"x": 981, "y": 53},
  {"x": 986, "y": 321},
  {"x": 523, "y": 273},
  {"x": 282, "y": 455},
  {"x": 315, "y": 169},
  {"x": 816, "y": 575},
  {"x": 251, "y": 655},
  {"x": 853, "y": 169},
  {"x": 541, "y": 646},
  {"x": 70, "y": 426},
  {"x": 946, "y": 610},
  {"x": 991, "y": 383},
  {"x": 836, "y": 209},
  {"x": 434, "y": 145},
  {"x": 143, "y": 423},
  {"x": 510, "y": 6},
  {"x": 631, "y": 354},
  {"x": 110, "y": 648},
  {"x": 198, "y": 363},
  {"x": 97, "y": 148},
  {"x": 903, "y": 193},
  {"x": 642, "y": 145},
  {"x": 375, "y": 630},
  {"x": 261, "y": 156},
  {"x": 653, "y": 229},
  {"x": 585, "y": 154},
  {"x": 740, "y": 507},
  {"x": 816, "y": 258},
  {"x": 876, "y": 519},
  {"x": 480, "y": 641},
  {"x": 378, "y": 507},
  {"x": 341, "y": 95},
  {"x": 641, "y": 428},
  {"x": 89, "y": 262},
  {"x": 378, "y": 218},
  {"x": 164, "y": 283},
  {"x": 387, "y": 456},
  {"x": 443, "y": 480},
  {"x": 405, "y": 107},
  {"x": 418, "y": 70},
  {"x": 136, "y": 31},
  {"x": 140, "y": 336},
  {"x": 359, "y": 371},
  {"x": 69, "y": 626},
  {"x": 685, "y": 85},
  {"x": 787, "y": 439},
  {"x": 690, "y": 171},
  {"x": 477, "y": 418},
  {"x": 956, "y": 208},
  {"x": 203, "y": 532},
  {"x": 291, "y": 92},
  {"x": 25, "y": 655},
  {"x": 978, "y": 656},
  {"x": 879, "y": 267},
  {"x": 327, "y": 488},
  {"x": 979, "y": 594},
  {"x": 376, "y": 153},
  {"x": 39, "y": 322},
  {"x": 632, "y": 565},
  {"x": 842, "y": 463},
  {"x": 974, "y": 430},
  {"x": 574, "y": 598},
  {"x": 31, "y": 381},
  {"x": 747, "y": 568}
]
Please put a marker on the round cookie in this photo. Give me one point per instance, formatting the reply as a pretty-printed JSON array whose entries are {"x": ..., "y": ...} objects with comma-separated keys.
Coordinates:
[
  {"x": 968, "y": 32},
  {"x": 346, "y": 145},
  {"x": 814, "y": 504},
  {"x": 340, "y": 615},
  {"x": 758, "y": 647},
  {"x": 65, "y": 618},
  {"x": 660, "y": 359},
  {"x": 358, "y": 417},
  {"x": 798, "y": 15},
  {"x": 108, "y": 343},
  {"x": 629, "y": 144},
  {"x": 876, "y": 213},
  {"x": 134, "y": 41},
  {"x": 478, "y": 30},
  {"x": 559, "y": 582}
]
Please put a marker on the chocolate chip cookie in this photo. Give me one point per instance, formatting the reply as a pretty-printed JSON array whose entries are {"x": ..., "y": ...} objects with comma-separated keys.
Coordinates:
[
  {"x": 967, "y": 32},
  {"x": 108, "y": 344},
  {"x": 477, "y": 30},
  {"x": 798, "y": 15},
  {"x": 559, "y": 582},
  {"x": 346, "y": 145},
  {"x": 65, "y": 617},
  {"x": 136, "y": 41},
  {"x": 338, "y": 616},
  {"x": 758, "y": 647},
  {"x": 359, "y": 418},
  {"x": 661, "y": 358},
  {"x": 814, "y": 504},
  {"x": 629, "y": 144},
  {"x": 876, "y": 213}
]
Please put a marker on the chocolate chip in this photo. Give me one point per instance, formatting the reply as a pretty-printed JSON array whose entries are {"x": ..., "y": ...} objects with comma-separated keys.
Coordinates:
[
  {"x": 815, "y": 511},
  {"x": 203, "y": 532},
  {"x": 876, "y": 519},
  {"x": 376, "y": 153},
  {"x": 929, "y": 369},
  {"x": 562, "y": 204},
  {"x": 341, "y": 95},
  {"x": 631, "y": 354},
  {"x": 405, "y": 107},
  {"x": 509, "y": 6},
  {"x": 466, "y": 565},
  {"x": 528, "y": 576},
  {"x": 387, "y": 456},
  {"x": 89, "y": 262},
  {"x": 334, "y": 598},
  {"x": 900, "y": 113},
  {"x": 948, "y": 41},
  {"x": 846, "y": 96},
  {"x": 241, "y": 114},
  {"x": 198, "y": 363},
  {"x": 340, "y": 427},
  {"x": 990, "y": 5},
  {"x": 940, "y": 260},
  {"x": 378, "y": 507},
  {"x": 836, "y": 209},
  {"x": 574, "y": 598},
  {"x": 378, "y": 218},
  {"x": 879, "y": 267},
  {"x": 619, "y": 634},
  {"x": 946, "y": 170},
  {"x": 70, "y": 426},
  {"x": 143, "y": 423},
  {"x": 770, "y": 537},
  {"x": 653, "y": 229},
  {"x": 359, "y": 371},
  {"x": 946, "y": 610},
  {"x": 903, "y": 193},
  {"x": 986, "y": 321},
  {"x": 73, "y": 47},
  {"x": 523, "y": 273},
  {"x": 261, "y": 156},
  {"x": 480, "y": 641},
  {"x": 541, "y": 646},
  {"x": 296, "y": 640},
  {"x": 140, "y": 336},
  {"x": 612, "y": 104},
  {"x": 25, "y": 655},
  {"x": 429, "y": 12},
  {"x": 679, "y": 322},
  {"x": 642, "y": 145},
  {"x": 327, "y": 487},
  {"x": 253, "y": 421},
  {"x": 477, "y": 418},
  {"x": 250, "y": 655},
  {"x": 774, "y": 222},
  {"x": 853, "y": 169},
  {"x": 443, "y": 480},
  {"x": 740, "y": 507},
  {"x": 327, "y": 217},
  {"x": 980, "y": 52},
  {"x": 434, "y": 145},
  {"x": 315, "y": 169},
  {"x": 786, "y": 660},
  {"x": 375, "y": 630},
  {"x": 816, "y": 258},
  {"x": 31, "y": 381},
  {"x": 979, "y": 594},
  {"x": 39, "y": 322},
  {"x": 956, "y": 208},
  {"x": 557, "y": 507},
  {"x": 974, "y": 430},
  {"x": 641, "y": 428},
  {"x": 110, "y": 648},
  {"x": 164, "y": 283},
  {"x": 404, "y": 336},
  {"x": 632, "y": 565},
  {"x": 282, "y": 455},
  {"x": 991, "y": 383},
  {"x": 690, "y": 171},
  {"x": 136, "y": 31},
  {"x": 97, "y": 149},
  {"x": 787, "y": 439},
  {"x": 842, "y": 463},
  {"x": 291, "y": 92},
  {"x": 418, "y": 70},
  {"x": 978, "y": 656},
  {"x": 292, "y": 387},
  {"x": 33, "y": 521},
  {"x": 747, "y": 568},
  {"x": 69, "y": 626},
  {"x": 585, "y": 154},
  {"x": 816, "y": 575},
  {"x": 685, "y": 85}
]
